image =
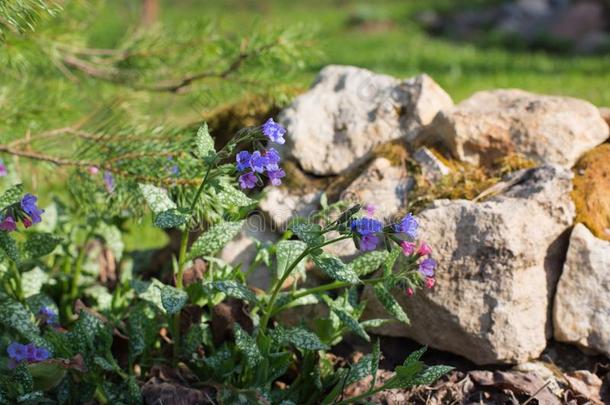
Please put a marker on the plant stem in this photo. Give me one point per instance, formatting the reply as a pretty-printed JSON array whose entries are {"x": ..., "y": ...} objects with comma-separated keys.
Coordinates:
[
  {"x": 355, "y": 399},
  {"x": 179, "y": 284},
  {"x": 280, "y": 283}
]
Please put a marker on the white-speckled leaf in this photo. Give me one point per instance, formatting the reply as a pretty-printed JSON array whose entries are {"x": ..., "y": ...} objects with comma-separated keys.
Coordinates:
[
  {"x": 214, "y": 239},
  {"x": 347, "y": 319},
  {"x": 171, "y": 218},
  {"x": 368, "y": 262},
  {"x": 40, "y": 244},
  {"x": 335, "y": 268},
  {"x": 298, "y": 337},
  {"x": 204, "y": 143},
  {"x": 234, "y": 289},
  {"x": 11, "y": 196},
  {"x": 173, "y": 299},
  {"x": 13, "y": 315},
  {"x": 157, "y": 198},
  {"x": 232, "y": 197},
  {"x": 308, "y": 233},
  {"x": 247, "y": 346},
  {"x": 149, "y": 291},
  {"x": 8, "y": 247},
  {"x": 389, "y": 303},
  {"x": 287, "y": 251},
  {"x": 32, "y": 281}
]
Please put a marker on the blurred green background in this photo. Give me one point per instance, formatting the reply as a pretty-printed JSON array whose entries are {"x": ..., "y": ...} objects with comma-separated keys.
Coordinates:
[{"x": 385, "y": 36}]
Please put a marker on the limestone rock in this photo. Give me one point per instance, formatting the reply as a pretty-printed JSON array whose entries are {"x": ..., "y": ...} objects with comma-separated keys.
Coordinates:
[
  {"x": 348, "y": 111},
  {"x": 432, "y": 167},
  {"x": 282, "y": 204},
  {"x": 242, "y": 250},
  {"x": 546, "y": 129},
  {"x": 383, "y": 185},
  {"x": 582, "y": 303},
  {"x": 498, "y": 264}
]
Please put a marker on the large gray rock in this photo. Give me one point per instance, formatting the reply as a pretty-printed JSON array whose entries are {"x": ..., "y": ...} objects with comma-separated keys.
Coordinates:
[
  {"x": 281, "y": 205},
  {"x": 582, "y": 303},
  {"x": 348, "y": 111},
  {"x": 382, "y": 185},
  {"x": 547, "y": 129},
  {"x": 499, "y": 261}
]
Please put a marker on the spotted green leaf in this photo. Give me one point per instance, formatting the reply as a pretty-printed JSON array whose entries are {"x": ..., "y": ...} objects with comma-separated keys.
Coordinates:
[
  {"x": 335, "y": 268},
  {"x": 308, "y": 233},
  {"x": 142, "y": 327},
  {"x": 298, "y": 337},
  {"x": 149, "y": 291},
  {"x": 173, "y": 299},
  {"x": 368, "y": 262},
  {"x": 287, "y": 251},
  {"x": 32, "y": 281},
  {"x": 375, "y": 358},
  {"x": 40, "y": 244},
  {"x": 229, "y": 196},
  {"x": 171, "y": 218},
  {"x": 13, "y": 315},
  {"x": 157, "y": 198},
  {"x": 214, "y": 239},
  {"x": 346, "y": 318},
  {"x": 234, "y": 289},
  {"x": 247, "y": 346},
  {"x": 11, "y": 196},
  {"x": 389, "y": 303},
  {"x": 8, "y": 247},
  {"x": 204, "y": 143}
]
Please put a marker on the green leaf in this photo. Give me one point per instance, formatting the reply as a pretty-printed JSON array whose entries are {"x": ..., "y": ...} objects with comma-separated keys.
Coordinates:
[
  {"x": 32, "y": 281},
  {"x": 204, "y": 143},
  {"x": 11, "y": 196},
  {"x": 247, "y": 346},
  {"x": 287, "y": 251},
  {"x": 214, "y": 239},
  {"x": 8, "y": 246},
  {"x": 157, "y": 198},
  {"x": 173, "y": 299},
  {"x": 234, "y": 289},
  {"x": 368, "y": 262},
  {"x": 374, "y": 323},
  {"x": 308, "y": 233},
  {"x": 351, "y": 322},
  {"x": 431, "y": 374},
  {"x": 13, "y": 315},
  {"x": 149, "y": 291},
  {"x": 375, "y": 357},
  {"x": 389, "y": 303},
  {"x": 359, "y": 371},
  {"x": 40, "y": 244},
  {"x": 232, "y": 197},
  {"x": 388, "y": 264},
  {"x": 298, "y": 337},
  {"x": 335, "y": 268},
  {"x": 143, "y": 329},
  {"x": 171, "y": 218}
]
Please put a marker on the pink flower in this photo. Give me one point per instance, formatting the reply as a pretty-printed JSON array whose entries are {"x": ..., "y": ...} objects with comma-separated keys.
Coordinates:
[
  {"x": 27, "y": 222},
  {"x": 424, "y": 249},
  {"x": 410, "y": 292},
  {"x": 430, "y": 282},
  {"x": 8, "y": 224},
  {"x": 93, "y": 170},
  {"x": 408, "y": 248},
  {"x": 370, "y": 209}
]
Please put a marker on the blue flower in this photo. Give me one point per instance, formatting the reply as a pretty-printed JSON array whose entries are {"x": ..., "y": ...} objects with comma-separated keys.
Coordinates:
[
  {"x": 3, "y": 171},
  {"x": 48, "y": 315},
  {"x": 273, "y": 159},
  {"x": 28, "y": 205},
  {"x": 274, "y": 131},
  {"x": 16, "y": 351},
  {"x": 109, "y": 181},
  {"x": 247, "y": 180},
  {"x": 258, "y": 162},
  {"x": 427, "y": 266},
  {"x": 243, "y": 160},
  {"x": 408, "y": 226},
  {"x": 366, "y": 226},
  {"x": 40, "y": 354},
  {"x": 174, "y": 170},
  {"x": 369, "y": 242},
  {"x": 276, "y": 176}
]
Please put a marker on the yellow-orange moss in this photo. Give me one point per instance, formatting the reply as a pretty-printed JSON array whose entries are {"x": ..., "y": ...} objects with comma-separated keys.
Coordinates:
[{"x": 591, "y": 192}]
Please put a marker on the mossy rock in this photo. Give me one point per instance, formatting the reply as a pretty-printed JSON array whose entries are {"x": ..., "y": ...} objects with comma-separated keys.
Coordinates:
[{"x": 591, "y": 192}]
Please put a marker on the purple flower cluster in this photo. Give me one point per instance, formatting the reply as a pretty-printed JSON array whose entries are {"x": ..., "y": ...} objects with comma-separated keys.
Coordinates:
[
  {"x": 266, "y": 161},
  {"x": 18, "y": 353},
  {"x": 366, "y": 228},
  {"x": 26, "y": 211}
]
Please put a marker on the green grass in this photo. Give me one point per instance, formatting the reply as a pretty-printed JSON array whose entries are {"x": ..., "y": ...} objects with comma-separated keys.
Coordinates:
[{"x": 401, "y": 48}]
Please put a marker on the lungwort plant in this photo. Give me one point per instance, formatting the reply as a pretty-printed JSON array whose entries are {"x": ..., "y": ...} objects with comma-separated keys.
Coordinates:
[{"x": 72, "y": 333}]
